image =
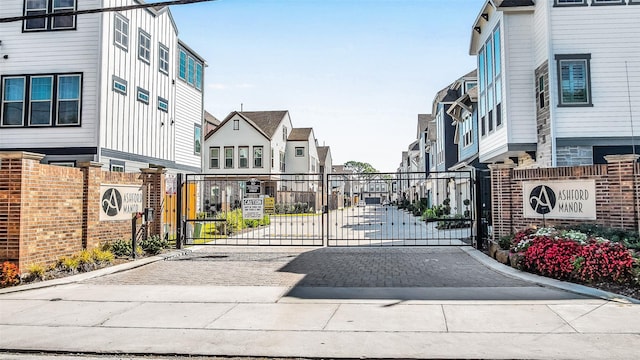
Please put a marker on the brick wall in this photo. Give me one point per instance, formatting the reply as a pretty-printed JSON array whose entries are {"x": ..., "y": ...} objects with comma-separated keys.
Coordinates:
[
  {"x": 47, "y": 211},
  {"x": 617, "y": 193}
]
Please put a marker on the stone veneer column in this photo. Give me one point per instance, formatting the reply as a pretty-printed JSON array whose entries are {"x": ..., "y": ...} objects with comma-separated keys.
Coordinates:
[
  {"x": 91, "y": 203},
  {"x": 153, "y": 181},
  {"x": 623, "y": 191},
  {"x": 501, "y": 199},
  {"x": 13, "y": 166}
]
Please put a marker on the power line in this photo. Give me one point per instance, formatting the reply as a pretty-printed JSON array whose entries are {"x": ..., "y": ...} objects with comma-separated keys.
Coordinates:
[{"x": 101, "y": 10}]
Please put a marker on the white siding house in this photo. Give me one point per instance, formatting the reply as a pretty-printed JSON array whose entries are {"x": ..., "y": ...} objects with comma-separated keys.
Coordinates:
[
  {"x": 102, "y": 87},
  {"x": 557, "y": 80}
]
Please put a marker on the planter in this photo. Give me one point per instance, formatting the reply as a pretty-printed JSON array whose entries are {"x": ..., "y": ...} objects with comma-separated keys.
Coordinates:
[
  {"x": 502, "y": 256},
  {"x": 493, "y": 248}
]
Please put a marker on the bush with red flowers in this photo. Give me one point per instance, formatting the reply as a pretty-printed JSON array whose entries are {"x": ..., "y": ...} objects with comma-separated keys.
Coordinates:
[{"x": 572, "y": 255}]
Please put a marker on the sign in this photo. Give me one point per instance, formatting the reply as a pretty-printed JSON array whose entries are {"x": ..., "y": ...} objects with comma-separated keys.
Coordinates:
[
  {"x": 253, "y": 186},
  {"x": 118, "y": 202},
  {"x": 269, "y": 205},
  {"x": 575, "y": 199},
  {"x": 253, "y": 208}
]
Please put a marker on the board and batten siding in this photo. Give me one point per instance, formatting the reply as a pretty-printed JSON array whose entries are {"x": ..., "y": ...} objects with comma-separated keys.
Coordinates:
[
  {"x": 589, "y": 30},
  {"x": 49, "y": 52},
  {"x": 246, "y": 135},
  {"x": 128, "y": 125},
  {"x": 519, "y": 86},
  {"x": 541, "y": 32},
  {"x": 278, "y": 144}
]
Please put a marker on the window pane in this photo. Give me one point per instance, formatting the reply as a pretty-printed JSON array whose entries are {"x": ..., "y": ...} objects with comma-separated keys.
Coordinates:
[
  {"x": 183, "y": 65},
  {"x": 12, "y": 114},
  {"x": 191, "y": 72},
  {"x": 489, "y": 62},
  {"x": 68, "y": 112},
  {"x": 40, "y": 106},
  {"x": 574, "y": 81},
  {"x": 68, "y": 87},
  {"x": 40, "y": 113},
  {"x": 13, "y": 101},
  {"x": 243, "y": 155},
  {"x": 63, "y": 3},
  {"x": 481, "y": 70},
  {"x": 198, "y": 76},
  {"x": 496, "y": 52},
  {"x": 14, "y": 89},
  {"x": 41, "y": 88}
]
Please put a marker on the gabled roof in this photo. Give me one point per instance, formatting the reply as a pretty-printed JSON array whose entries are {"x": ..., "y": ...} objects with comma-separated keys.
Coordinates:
[
  {"x": 299, "y": 134},
  {"x": 267, "y": 121},
  {"x": 423, "y": 122},
  {"x": 322, "y": 154},
  {"x": 211, "y": 119}
]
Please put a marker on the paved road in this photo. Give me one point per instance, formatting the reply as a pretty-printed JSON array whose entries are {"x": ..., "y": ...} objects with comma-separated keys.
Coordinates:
[{"x": 321, "y": 303}]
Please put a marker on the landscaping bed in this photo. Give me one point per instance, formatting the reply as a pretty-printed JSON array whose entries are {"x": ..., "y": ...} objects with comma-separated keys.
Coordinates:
[{"x": 599, "y": 257}]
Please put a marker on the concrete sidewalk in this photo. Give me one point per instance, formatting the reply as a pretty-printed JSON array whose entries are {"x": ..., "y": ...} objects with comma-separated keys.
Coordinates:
[{"x": 263, "y": 321}]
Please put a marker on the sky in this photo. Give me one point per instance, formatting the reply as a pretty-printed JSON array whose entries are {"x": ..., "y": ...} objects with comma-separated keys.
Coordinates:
[{"x": 356, "y": 71}]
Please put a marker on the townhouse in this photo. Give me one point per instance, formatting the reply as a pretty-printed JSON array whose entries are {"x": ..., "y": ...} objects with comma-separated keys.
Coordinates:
[
  {"x": 557, "y": 80},
  {"x": 119, "y": 87}
]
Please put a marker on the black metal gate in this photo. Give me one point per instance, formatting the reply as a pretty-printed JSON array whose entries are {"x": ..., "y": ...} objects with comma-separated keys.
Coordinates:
[
  {"x": 291, "y": 210},
  {"x": 380, "y": 209},
  {"x": 401, "y": 209}
]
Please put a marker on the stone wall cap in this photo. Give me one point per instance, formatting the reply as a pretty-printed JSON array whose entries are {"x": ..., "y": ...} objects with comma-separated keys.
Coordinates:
[
  {"x": 21, "y": 155},
  {"x": 621, "y": 158},
  {"x": 86, "y": 164}
]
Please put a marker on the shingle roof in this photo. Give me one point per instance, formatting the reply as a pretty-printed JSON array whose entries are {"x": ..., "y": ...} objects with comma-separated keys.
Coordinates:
[
  {"x": 322, "y": 153},
  {"x": 299, "y": 134},
  {"x": 267, "y": 121},
  {"x": 210, "y": 118}
]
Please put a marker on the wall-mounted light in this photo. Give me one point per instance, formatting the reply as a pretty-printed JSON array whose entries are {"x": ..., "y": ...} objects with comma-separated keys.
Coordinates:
[{"x": 478, "y": 29}]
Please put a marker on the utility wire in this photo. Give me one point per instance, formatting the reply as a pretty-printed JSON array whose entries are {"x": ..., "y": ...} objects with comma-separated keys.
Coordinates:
[{"x": 101, "y": 10}]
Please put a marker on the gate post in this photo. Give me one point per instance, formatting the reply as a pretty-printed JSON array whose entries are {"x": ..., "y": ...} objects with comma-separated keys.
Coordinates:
[{"x": 179, "y": 211}]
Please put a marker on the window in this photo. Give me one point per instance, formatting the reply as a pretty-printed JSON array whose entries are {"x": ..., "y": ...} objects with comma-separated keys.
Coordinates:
[
  {"x": 48, "y": 100},
  {"x": 42, "y": 7},
  {"x": 299, "y": 151},
  {"x": 121, "y": 31},
  {"x": 490, "y": 89},
  {"x": 163, "y": 59},
  {"x": 197, "y": 139},
  {"x": 228, "y": 157},
  {"x": 163, "y": 104},
  {"x": 573, "y": 80},
  {"x": 570, "y": 3},
  {"x": 214, "y": 157},
  {"x": 191, "y": 71},
  {"x": 143, "y": 96},
  {"x": 40, "y": 100},
  {"x": 243, "y": 157},
  {"x": 282, "y": 164},
  {"x": 541, "y": 103},
  {"x": 199, "y": 76},
  {"x": 236, "y": 124},
  {"x": 182, "y": 73},
  {"x": 273, "y": 159},
  {"x": 119, "y": 85},
  {"x": 116, "y": 165},
  {"x": 257, "y": 156},
  {"x": 284, "y": 133},
  {"x": 13, "y": 101},
  {"x": 607, "y": 2},
  {"x": 144, "y": 46}
]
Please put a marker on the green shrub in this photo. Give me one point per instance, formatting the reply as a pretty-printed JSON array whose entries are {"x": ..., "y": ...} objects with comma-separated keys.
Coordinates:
[
  {"x": 505, "y": 242},
  {"x": 121, "y": 248},
  {"x": 36, "y": 271},
  {"x": 154, "y": 244}
]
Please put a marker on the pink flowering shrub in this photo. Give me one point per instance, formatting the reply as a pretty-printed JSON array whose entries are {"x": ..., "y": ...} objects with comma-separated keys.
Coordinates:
[{"x": 571, "y": 257}]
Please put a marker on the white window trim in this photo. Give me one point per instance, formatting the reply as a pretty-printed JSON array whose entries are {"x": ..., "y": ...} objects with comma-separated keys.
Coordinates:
[
  {"x": 78, "y": 99},
  {"x": 118, "y": 84},
  {"x": 240, "y": 158},
  {"x": 163, "y": 63},
  {"x": 144, "y": 46},
  {"x": 24, "y": 100},
  {"x": 31, "y": 101},
  {"x": 142, "y": 96},
  {"x": 163, "y": 104},
  {"x": 211, "y": 157},
  {"x": 122, "y": 20}
]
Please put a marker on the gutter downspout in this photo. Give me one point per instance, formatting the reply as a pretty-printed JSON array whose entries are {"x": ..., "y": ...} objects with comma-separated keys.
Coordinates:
[{"x": 553, "y": 89}]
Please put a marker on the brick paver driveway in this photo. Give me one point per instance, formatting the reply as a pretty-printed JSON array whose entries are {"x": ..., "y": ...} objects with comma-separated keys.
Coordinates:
[{"x": 408, "y": 272}]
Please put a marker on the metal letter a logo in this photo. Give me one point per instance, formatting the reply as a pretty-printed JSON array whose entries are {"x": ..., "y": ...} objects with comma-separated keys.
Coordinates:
[{"x": 542, "y": 199}]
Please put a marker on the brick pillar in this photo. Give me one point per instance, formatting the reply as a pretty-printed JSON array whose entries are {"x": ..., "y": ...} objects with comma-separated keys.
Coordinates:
[
  {"x": 13, "y": 166},
  {"x": 91, "y": 203},
  {"x": 501, "y": 199},
  {"x": 153, "y": 182},
  {"x": 623, "y": 186}
]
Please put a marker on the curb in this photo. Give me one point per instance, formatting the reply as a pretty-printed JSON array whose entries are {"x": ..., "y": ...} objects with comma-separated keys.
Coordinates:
[
  {"x": 96, "y": 273},
  {"x": 548, "y": 282}
]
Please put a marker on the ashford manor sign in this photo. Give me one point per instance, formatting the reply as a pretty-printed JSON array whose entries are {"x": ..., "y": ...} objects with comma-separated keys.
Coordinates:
[
  {"x": 118, "y": 202},
  {"x": 575, "y": 199}
]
